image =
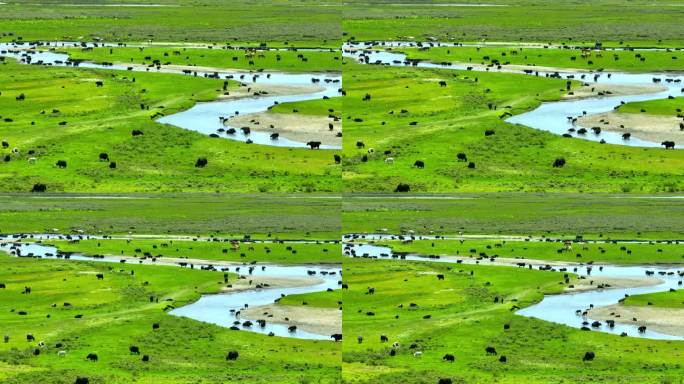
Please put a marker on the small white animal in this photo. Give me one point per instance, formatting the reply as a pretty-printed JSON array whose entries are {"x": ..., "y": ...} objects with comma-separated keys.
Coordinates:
[
  {"x": 389, "y": 160},
  {"x": 32, "y": 160},
  {"x": 371, "y": 150},
  {"x": 395, "y": 344},
  {"x": 61, "y": 353},
  {"x": 417, "y": 354},
  {"x": 41, "y": 343}
]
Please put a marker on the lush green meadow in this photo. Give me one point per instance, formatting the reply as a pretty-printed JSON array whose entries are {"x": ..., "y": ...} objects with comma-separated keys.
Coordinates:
[
  {"x": 603, "y": 252},
  {"x": 464, "y": 319},
  {"x": 285, "y": 253},
  {"x": 663, "y": 107},
  {"x": 117, "y": 313},
  {"x": 636, "y": 23},
  {"x": 217, "y": 57},
  {"x": 213, "y": 21},
  {"x": 261, "y": 216},
  {"x": 631, "y": 61},
  {"x": 661, "y": 299},
  {"x": 322, "y": 299},
  {"x": 397, "y": 123},
  {"x": 560, "y": 215},
  {"x": 101, "y": 120},
  {"x": 319, "y": 107}
]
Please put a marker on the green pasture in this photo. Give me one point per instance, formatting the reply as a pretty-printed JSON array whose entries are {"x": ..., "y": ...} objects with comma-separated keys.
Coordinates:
[
  {"x": 663, "y": 107},
  {"x": 622, "y": 60},
  {"x": 285, "y": 253},
  {"x": 276, "y": 23},
  {"x": 217, "y": 57},
  {"x": 460, "y": 316},
  {"x": 265, "y": 216},
  {"x": 635, "y": 23},
  {"x": 322, "y": 299},
  {"x": 593, "y": 216},
  {"x": 411, "y": 118},
  {"x": 65, "y": 116},
  {"x": 601, "y": 252},
  {"x": 117, "y": 313},
  {"x": 667, "y": 299}
]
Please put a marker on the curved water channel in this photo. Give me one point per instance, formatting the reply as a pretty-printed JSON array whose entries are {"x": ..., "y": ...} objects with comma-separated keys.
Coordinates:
[
  {"x": 565, "y": 308},
  {"x": 222, "y": 308},
  {"x": 555, "y": 117},
  {"x": 207, "y": 117}
]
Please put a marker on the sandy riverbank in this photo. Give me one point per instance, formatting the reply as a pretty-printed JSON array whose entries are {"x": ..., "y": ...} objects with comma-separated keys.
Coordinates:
[
  {"x": 640, "y": 125},
  {"x": 293, "y": 126},
  {"x": 663, "y": 320},
  {"x": 310, "y": 319}
]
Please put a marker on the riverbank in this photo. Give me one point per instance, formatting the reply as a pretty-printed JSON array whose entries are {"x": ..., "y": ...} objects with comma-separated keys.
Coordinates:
[
  {"x": 642, "y": 126},
  {"x": 296, "y": 127},
  {"x": 609, "y": 89},
  {"x": 309, "y": 319},
  {"x": 664, "y": 320}
]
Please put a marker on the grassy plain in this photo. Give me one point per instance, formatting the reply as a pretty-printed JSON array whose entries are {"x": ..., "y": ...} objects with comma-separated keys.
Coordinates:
[
  {"x": 307, "y": 253},
  {"x": 636, "y": 23},
  {"x": 628, "y": 61},
  {"x": 248, "y": 22},
  {"x": 661, "y": 299},
  {"x": 604, "y": 252},
  {"x": 464, "y": 319},
  {"x": 323, "y": 299},
  {"x": 101, "y": 120},
  {"x": 562, "y": 215},
  {"x": 398, "y": 123},
  {"x": 662, "y": 107},
  {"x": 262, "y": 216},
  {"x": 117, "y": 313},
  {"x": 287, "y": 61}
]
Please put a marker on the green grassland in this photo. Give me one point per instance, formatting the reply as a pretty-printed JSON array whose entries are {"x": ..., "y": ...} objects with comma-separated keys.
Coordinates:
[
  {"x": 251, "y": 22},
  {"x": 287, "y": 61},
  {"x": 261, "y": 216},
  {"x": 561, "y": 215},
  {"x": 514, "y": 158},
  {"x": 322, "y": 299},
  {"x": 100, "y": 120},
  {"x": 629, "y": 61},
  {"x": 318, "y": 107},
  {"x": 209, "y": 250},
  {"x": 663, "y": 107},
  {"x": 613, "y": 253},
  {"x": 454, "y": 120},
  {"x": 117, "y": 313},
  {"x": 636, "y": 23},
  {"x": 661, "y": 299},
  {"x": 464, "y": 320}
]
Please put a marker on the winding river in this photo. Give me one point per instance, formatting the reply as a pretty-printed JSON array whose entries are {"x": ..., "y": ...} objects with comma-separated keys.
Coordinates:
[
  {"x": 555, "y": 117},
  {"x": 567, "y": 308},
  {"x": 222, "y": 309},
  {"x": 206, "y": 118}
]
